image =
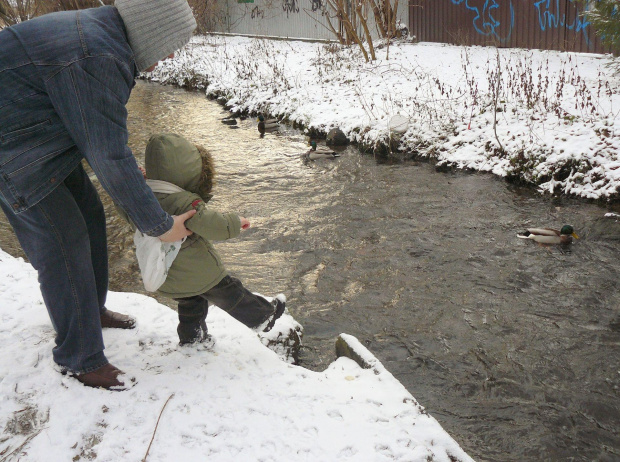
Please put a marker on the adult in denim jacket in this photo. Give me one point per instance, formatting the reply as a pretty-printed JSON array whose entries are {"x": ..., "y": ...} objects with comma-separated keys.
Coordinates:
[{"x": 64, "y": 81}]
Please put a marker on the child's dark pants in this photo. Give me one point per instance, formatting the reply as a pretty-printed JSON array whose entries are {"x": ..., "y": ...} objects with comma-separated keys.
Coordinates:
[{"x": 229, "y": 295}]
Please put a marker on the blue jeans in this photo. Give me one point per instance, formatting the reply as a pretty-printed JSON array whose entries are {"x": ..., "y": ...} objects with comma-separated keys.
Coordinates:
[{"x": 64, "y": 237}]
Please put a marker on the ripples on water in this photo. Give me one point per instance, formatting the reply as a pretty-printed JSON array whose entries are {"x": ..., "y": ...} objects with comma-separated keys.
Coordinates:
[{"x": 513, "y": 347}]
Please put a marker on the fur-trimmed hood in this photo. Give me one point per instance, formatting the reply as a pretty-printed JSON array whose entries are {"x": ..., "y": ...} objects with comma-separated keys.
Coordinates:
[{"x": 170, "y": 157}]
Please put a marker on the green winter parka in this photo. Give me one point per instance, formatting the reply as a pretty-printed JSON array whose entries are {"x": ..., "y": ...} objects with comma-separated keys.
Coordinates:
[{"x": 198, "y": 267}]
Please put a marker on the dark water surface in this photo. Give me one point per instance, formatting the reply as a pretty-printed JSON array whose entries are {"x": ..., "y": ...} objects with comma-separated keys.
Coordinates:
[{"x": 513, "y": 347}]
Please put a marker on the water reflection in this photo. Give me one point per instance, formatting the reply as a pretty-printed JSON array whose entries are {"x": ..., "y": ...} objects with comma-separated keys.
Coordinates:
[{"x": 511, "y": 346}]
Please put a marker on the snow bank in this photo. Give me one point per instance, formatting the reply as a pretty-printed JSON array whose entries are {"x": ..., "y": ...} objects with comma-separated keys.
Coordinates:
[
  {"x": 235, "y": 402},
  {"x": 542, "y": 117}
]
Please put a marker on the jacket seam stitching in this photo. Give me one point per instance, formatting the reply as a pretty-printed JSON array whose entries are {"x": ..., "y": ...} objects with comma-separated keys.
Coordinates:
[
  {"x": 71, "y": 63},
  {"x": 79, "y": 103},
  {"x": 8, "y": 161},
  {"x": 44, "y": 185},
  {"x": 78, "y": 20},
  {"x": 22, "y": 98},
  {"x": 19, "y": 132},
  {"x": 36, "y": 161}
]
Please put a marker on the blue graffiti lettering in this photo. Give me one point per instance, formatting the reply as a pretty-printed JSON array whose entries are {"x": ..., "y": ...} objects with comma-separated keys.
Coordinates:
[
  {"x": 548, "y": 19},
  {"x": 485, "y": 23},
  {"x": 580, "y": 24}
]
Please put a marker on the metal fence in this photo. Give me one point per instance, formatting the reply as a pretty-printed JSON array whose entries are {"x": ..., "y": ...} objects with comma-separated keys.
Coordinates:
[
  {"x": 277, "y": 18},
  {"x": 543, "y": 24},
  {"x": 298, "y": 19}
]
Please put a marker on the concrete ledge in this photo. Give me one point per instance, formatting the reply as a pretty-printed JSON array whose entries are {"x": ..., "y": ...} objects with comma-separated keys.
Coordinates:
[{"x": 350, "y": 347}]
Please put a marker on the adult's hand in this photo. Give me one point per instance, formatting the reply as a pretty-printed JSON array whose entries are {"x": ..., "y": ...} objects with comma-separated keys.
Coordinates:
[
  {"x": 245, "y": 223},
  {"x": 178, "y": 230}
]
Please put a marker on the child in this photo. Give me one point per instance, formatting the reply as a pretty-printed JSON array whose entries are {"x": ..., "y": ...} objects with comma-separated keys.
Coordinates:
[{"x": 181, "y": 176}]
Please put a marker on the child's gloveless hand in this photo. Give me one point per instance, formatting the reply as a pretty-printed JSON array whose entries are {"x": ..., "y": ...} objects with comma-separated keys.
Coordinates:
[{"x": 245, "y": 223}]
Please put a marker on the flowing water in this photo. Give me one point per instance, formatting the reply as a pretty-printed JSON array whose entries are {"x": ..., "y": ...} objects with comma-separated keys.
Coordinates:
[{"x": 513, "y": 347}]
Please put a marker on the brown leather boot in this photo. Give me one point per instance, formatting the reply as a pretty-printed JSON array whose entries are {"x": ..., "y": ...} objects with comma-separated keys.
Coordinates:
[
  {"x": 117, "y": 320},
  {"x": 104, "y": 377}
]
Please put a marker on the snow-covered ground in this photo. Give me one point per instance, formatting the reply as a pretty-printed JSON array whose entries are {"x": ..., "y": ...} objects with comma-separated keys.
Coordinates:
[
  {"x": 543, "y": 117},
  {"x": 238, "y": 401}
]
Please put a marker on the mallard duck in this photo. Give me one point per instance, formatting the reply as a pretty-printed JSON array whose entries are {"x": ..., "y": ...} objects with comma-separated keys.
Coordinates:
[
  {"x": 319, "y": 152},
  {"x": 266, "y": 125},
  {"x": 229, "y": 121},
  {"x": 550, "y": 236}
]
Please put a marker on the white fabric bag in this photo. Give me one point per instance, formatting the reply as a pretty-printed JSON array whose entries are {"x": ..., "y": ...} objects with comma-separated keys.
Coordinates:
[{"x": 154, "y": 258}]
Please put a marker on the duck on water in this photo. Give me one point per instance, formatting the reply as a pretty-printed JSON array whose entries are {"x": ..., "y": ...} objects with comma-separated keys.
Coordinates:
[
  {"x": 550, "y": 236},
  {"x": 319, "y": 152}
]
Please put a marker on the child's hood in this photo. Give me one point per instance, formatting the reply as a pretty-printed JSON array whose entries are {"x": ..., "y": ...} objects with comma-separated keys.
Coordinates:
[{"x": 170, "y": 157}]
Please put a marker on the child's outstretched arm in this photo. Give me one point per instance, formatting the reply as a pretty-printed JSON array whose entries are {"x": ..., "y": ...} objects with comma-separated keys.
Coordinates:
[{"x": 213, "y": 225}]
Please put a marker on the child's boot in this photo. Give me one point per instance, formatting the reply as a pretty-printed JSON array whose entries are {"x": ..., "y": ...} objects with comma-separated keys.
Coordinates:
[
  {"x": 189, "y": 330},
  {"x": 193, "y": 329},
  {"x": 279, "y": 304}
]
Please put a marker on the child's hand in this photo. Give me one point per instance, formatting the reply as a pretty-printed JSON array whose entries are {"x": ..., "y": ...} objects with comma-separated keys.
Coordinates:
[
  {"x": 143, "y": 171},
  {"x": 245, "y": 223}
]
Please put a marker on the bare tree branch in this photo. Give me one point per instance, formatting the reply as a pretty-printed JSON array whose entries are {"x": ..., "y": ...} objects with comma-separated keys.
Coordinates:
[
  {"x": 366, "y": 31},
  {"x": 329, "y": 22}
]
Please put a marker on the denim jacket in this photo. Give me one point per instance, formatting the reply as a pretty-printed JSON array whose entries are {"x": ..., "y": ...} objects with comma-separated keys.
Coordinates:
[{"x": 64, "y": 81}]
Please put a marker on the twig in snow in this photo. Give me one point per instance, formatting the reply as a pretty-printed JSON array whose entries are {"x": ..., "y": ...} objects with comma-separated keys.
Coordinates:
[
  {"x": 19, "y": 448},
  {"x": 499, "y": 82},
  {"x": 156, "y": 425},
  {"x": 472, "y": 109}
]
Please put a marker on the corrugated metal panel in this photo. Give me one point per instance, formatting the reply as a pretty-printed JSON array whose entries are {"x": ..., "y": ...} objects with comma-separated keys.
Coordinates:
[
  {"x": 284, "y": 18},
  {"x": 287, "y": 19},
  {"x": 544, "y": 24}
]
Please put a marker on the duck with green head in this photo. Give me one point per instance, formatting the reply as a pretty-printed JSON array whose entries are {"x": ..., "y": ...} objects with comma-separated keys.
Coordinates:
[
  {"x": 319, "y": 152},
  {"x": 266, "y": 125},
  {"x": 550, "y": 236}
]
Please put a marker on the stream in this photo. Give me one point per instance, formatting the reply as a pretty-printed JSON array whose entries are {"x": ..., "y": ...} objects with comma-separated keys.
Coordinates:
[{"x": 513, "y": 347}]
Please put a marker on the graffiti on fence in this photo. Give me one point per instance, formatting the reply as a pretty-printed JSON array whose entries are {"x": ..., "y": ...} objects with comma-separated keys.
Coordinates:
[
  {"x": 290, "y": 6},
  {"x": 548, "y": 24},
  {"x": 484, "y": 22},
  {"x": 258, "y": 13},
  {"x": 317, "y": 5},
  {"x": 551, "y": 17}
]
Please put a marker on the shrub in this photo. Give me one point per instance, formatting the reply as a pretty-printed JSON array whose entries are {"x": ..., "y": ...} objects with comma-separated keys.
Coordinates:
[{"x": 605, "y": 17}]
